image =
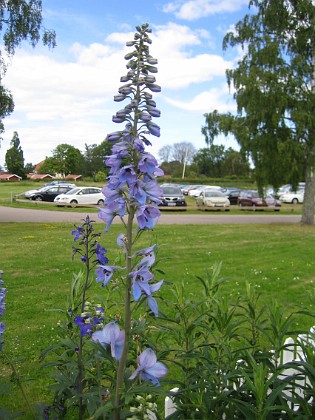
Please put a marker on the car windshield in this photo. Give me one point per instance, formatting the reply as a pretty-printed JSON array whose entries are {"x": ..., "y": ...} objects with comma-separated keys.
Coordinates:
[
  {"x": 171, "y": 190},
  {"x": 214, "y": 194},
  {"x": 73, "y": 191}
]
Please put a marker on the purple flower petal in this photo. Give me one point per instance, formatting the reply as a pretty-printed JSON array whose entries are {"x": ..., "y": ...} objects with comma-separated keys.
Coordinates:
[
  {"x": 111, "y": 335},
  {"x": 149, "y": 369}
]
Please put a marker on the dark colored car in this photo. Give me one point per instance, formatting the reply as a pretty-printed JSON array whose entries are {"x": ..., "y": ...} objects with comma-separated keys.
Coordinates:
[
  {"x": 250, "y": 198},
  {"x": 232, "y": 194},
  {"x": 172, "y": 197},
  {"x": 50, "y": 193},
  {"x": 56, "y": 182}
]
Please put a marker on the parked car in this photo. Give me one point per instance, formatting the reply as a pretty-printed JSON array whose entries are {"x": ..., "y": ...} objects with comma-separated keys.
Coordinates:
[
  {"x": 287, "y": 188},
  {"x": 213, "y": 198},
  {"x": 172, "y": 196},
  {"x": 28, "y": 194},
  {"x": 194, "y": 193},
  {"x": 232, "y": 194},
  {"x": 251, "y": 198},
  {"x": 58, "y": 182},
  {"x": 292, "y": 197},
  {"x": 47, "y": 193},
  {"x": 186, "y": 188},
  {"x": 81, "y": 196}
]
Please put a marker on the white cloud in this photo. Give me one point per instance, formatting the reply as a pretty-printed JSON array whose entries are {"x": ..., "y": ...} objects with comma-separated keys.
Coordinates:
[
  {"x": 179, "y": 67},
  {"x": 215, "y": 98},
  {"x": 196, "y": 9}
]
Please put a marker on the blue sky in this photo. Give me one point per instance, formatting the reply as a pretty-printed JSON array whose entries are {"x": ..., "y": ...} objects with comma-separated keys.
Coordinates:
[{"x": 65, "y": 95}]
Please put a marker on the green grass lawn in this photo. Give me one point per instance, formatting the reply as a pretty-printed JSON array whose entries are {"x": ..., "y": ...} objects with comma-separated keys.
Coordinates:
[{"x": 278, "y": 260}]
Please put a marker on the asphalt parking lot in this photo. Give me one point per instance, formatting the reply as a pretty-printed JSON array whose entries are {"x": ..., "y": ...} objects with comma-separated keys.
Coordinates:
[{"x": 13, "y": 214}]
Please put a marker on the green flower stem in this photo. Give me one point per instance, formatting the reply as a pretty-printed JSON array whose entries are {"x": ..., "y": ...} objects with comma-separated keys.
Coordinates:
[
  {"x": 80, "y": 351},
  {"x": 17, "y": 376},
  {"x": 127, "y": 306}
]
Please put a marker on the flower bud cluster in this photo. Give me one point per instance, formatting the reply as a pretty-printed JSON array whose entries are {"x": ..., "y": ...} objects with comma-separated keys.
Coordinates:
[
  {"x": 144, "y": 408},
  {"x": 132, "y": 185},
  {"x": 90, "y": 319},
  {"x": 88, "y": 247}
]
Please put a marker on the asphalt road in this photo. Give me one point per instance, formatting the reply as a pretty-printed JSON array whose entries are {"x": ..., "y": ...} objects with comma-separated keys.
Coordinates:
[{"x": 12, "y": 214}]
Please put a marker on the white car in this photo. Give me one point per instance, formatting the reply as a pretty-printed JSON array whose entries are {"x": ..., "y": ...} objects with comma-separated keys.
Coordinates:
[
  {"x": 81, "y": 196},
  {"x": 194, "y": 193},
  {"x": 292, "y": 197},
  {"x": 213, "y": 198}
]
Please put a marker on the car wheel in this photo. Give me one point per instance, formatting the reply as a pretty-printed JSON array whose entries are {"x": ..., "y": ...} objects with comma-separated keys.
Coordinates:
[
  {"x": 73, "y": 203},
  {"x": 100, "y": 203},
  {"x": 38, "y": 198},
  {"x": 295, "y": 201}
]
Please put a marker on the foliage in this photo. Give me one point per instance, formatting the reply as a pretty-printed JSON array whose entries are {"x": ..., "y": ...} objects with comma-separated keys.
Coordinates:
[
  {"x": 216, "y": 161},
  {"x": 228, "y": 353},
  {"x": 66, "y": 159},
  {"x": 100, "y": 176},
  {"x": 274, "y": 91},
  {"x": 14, "y": 158},
  {"x": 94, "y": 156}
]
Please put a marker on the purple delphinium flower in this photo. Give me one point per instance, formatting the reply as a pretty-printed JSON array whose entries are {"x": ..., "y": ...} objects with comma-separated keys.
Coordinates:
[
  {"x": 104, "y": 274},
  {"x": 140, "y": 282},
  {"x": 84, "y": 324},
  {"x": 113, "y": 336},
  {"x": 78, "y": 233},
  {"x": 147, "y": 163},
  {"x": 121, "y": 241},
  {"x": 3, "y": 292},
  {"x": 148, "y": 256},
  {"x": 113, "y": 209},
  {"x": 100, "y": 254},
  {"x": 147, "y": 217},
  {"x": 149, "y": 368},
  {"x": 87, "y": 322},
  {"x": 2, "y": 329},
  {"x": 127, "y": 175}
]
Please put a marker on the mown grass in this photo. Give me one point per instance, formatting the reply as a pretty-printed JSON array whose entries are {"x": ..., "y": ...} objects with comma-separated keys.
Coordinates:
[{"x": 278, "y": 260}]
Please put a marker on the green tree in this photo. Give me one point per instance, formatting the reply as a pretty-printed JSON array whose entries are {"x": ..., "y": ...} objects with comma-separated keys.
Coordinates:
[
  {"x": 67, "y": 159},
  {"x": 209, "y": 161},
  {"x": 235, "y": 163},
  {"x": 274, "y": 86},
  {"x": 49, "y": 166},
  {"x": 29, "y": 168},
  {"x": 14, "y": 159},
  {"x": 20, "y": 20},
  {"x": 94, "y": 156}
]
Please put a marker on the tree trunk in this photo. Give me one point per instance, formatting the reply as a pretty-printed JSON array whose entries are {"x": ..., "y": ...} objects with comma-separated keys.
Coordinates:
[
  {"x": 309, "y": 194},
  {"x": 308, "y": 204}
]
